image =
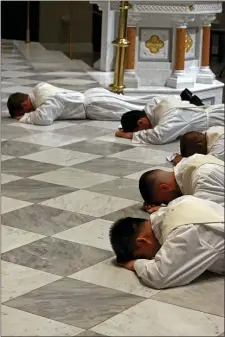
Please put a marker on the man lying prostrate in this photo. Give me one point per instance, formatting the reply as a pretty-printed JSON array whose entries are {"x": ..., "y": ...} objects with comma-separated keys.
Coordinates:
[
  {"x": 169, "y": 119},
  {"x": 198, "y": 175},
  {"x": 175, "y": 246},
  {"x": 209, "y": 142},
  {"x": 47, "y": 103}
]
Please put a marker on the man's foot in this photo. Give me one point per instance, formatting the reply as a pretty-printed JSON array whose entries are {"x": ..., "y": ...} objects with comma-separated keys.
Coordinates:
[
  {"x": 186, "y": 95},
  {"x": 196, "y": 101}
]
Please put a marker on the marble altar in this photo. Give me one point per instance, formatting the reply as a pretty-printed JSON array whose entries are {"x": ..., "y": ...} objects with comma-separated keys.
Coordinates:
[{"x": 169, "y": 47}]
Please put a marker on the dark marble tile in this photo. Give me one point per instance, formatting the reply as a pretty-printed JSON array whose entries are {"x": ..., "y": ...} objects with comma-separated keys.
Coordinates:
[
  {"x": 43, "y": 219},
  {"x": 33, "y": 190},
  {"x": 87, "y": 333},
  {"x": 75, "y": 302},
  {"x": 17, "y": 149},
  {"x": 10, "y": 132},
  {"x": 83, "y": 131},
  {"x": 56, "y": 256},
  {"x": 26, "y": 168},
  {"x": 43, "y": 77},
  {"x": 122, "y": 188},
  {"x": 133, "y": 211},
  {"x": 113, "y": 166},
  {"x": 98, "y": 147}
]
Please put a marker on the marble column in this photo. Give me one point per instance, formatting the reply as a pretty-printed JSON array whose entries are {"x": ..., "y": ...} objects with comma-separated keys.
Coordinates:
[
  {"x": 131, "y": 79},
  {"x": 130, "y": 53},
  {"x": 205, "y": 74},
  {"x": 179, "y": 79},
  {"x": 106, "y": 61}
]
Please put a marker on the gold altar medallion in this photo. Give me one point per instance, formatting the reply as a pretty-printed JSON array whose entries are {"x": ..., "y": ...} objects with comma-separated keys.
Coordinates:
[
  {"x": 188, "y": 43},
  {"x": 154, "y": 44}
]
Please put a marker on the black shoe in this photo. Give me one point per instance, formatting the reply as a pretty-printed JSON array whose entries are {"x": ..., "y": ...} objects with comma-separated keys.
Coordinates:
[
  {"x": 186, "y": 95},
  {"x": 196, "y": 101}
]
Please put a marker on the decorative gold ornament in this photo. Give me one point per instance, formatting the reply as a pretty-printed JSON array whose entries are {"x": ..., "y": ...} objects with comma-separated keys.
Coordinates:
[
  {"x": 188, "y": 43},
  {"x": 154, "y": 44}
]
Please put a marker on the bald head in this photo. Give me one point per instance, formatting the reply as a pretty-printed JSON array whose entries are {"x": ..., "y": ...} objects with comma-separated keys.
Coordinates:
[
  {"x": 158, "y": 187},
  {"x": 193, "y": 142}
]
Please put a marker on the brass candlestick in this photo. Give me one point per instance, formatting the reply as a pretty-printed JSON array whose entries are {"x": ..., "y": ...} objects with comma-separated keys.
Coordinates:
[
  {"x": 28, "y": 23},
  {"x": 121, "y": 44}
]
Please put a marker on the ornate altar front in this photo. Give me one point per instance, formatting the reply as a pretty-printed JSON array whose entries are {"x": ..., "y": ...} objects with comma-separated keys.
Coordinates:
[{"x": 169, "y": 47}]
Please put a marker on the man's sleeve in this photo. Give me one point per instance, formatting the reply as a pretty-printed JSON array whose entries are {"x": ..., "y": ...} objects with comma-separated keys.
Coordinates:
[
  {"x": 170, "y": 128},
  {"x": 49, "y": 111},
  {"x": 181, "y": 259}
]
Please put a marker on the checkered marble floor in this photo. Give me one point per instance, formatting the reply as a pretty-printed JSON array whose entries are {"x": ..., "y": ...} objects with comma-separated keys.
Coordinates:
[{"x": 62, "y": 187}]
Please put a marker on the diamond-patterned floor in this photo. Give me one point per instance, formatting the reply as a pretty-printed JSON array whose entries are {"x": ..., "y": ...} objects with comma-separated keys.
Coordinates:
[{"x": 62, "y": 187}]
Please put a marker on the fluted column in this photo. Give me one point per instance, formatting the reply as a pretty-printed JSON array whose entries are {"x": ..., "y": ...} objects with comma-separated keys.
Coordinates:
[
  {"x": 205, "y": 74},
  {"x": 179, "y": 79}
]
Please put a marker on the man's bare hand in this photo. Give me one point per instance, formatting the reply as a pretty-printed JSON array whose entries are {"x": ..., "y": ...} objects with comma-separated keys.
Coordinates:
[
  {"x": 150, "y": 209},
  {"x": 122, "y": 134},
  {"x": 128, "y": 265},
  {"x": 177, "y": 159}
]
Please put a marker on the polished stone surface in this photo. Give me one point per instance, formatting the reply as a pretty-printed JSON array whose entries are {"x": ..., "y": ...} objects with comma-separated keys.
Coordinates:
[
  {"x": 63, "y": 301},
  {"x": 63, "y": 186},
  {"x": 153, "y": 318},
  {"x": 54, "y": 255}
]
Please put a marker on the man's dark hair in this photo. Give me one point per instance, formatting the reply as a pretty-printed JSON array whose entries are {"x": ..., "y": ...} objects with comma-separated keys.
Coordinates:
[
  {"x": 123, "y": 235},
  {"x": 191, "y": 143},
  {"x": 14, "y": 103},
  {"x": 147, "y": 186},
  {"x": 129, "y": 120}
]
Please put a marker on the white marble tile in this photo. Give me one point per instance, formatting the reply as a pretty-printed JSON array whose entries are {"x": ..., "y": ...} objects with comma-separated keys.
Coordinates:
[
  {"x": 6, "y": 83},
  {"x": 103, "y": 78},
  {"x": 13, "y": 67},
  {"x": 104, "y": 124},
  {"x": 10, "y": 204},
  {"x": 89, "y": 203},
  {"x": 143, "y": 155},
  {"x": 61, "y": 157},
  {"x": 73, "y": 177},
  {"x": 50, "y": 139},
  {"x": 137, "y": 175},
  {"x": 114, "y": 277},
  {"x": 23, "y": 81},
  {"x": 20, "y": 323},
  {"x": 10, "y": 60},
  {"x": 6, "y": 178},
  {"x": 64, "y": 74},
  {"x": 14, "y": 73},
  {"x": 18, "y": 88},
  {"x": 17, "y": 280},
  {"x": 94, "y": 233},
  {"x": 55, "y": 126},
  {"x": 4, "y": 157},
  {"x": 113, "y": 139},
  {"x": 152, "y": 318},
  {"x": 71, "y": 81},
  {"x": 12, "y": 238}
]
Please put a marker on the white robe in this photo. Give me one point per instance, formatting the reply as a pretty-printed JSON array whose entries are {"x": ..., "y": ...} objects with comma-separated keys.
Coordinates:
[
  {"x": 53, "y": 103},
  {"x": 215, "y": 141},
  {"x": 186, "y": 253},
  {"x": 180, "y": 117},
  {"x": 207, "y": 181}
]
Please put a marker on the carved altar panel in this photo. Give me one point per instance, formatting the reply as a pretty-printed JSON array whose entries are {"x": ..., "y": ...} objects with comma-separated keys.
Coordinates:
[
  {"x": 154, "y": 44},
  {"x": 191, "y": 44}
]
